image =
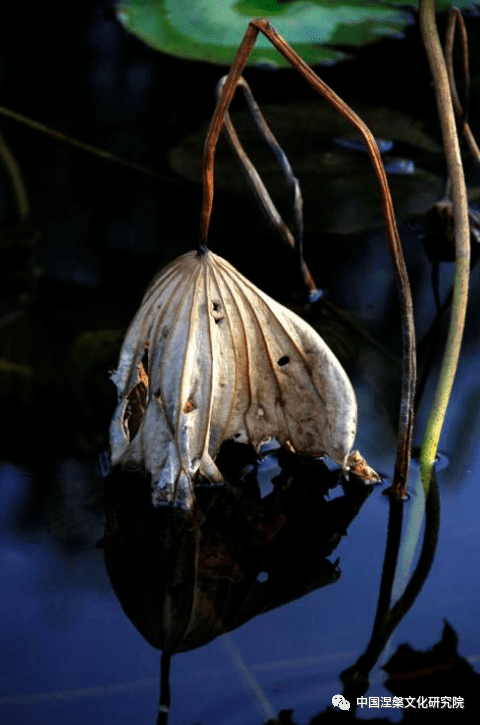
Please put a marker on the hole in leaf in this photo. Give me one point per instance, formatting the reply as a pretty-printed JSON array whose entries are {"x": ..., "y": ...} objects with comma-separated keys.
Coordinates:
[
  {"x": 189, "y": 406},
  {"x": 283, "y": 361},
  {"x": 137, "y": 400},
  {"x": 217, "y": 312}
]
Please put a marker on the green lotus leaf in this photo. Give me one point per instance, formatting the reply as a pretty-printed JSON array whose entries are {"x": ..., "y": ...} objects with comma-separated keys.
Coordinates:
[{"x": 211, "y": 30}]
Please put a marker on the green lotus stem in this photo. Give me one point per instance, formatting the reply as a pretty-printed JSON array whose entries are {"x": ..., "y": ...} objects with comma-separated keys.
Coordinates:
[{"x": 451, "y": 145}]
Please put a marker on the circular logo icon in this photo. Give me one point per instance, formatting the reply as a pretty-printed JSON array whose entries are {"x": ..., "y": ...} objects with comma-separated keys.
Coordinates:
[{"x": 339, "y": 701}]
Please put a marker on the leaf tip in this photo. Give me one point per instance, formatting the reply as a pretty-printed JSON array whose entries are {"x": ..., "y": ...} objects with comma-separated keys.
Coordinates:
[{"x": 357, "y": 465}]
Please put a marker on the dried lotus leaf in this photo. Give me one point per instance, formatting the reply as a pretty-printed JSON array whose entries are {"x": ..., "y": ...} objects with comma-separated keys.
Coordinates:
[{"x": 213, "y": 358}]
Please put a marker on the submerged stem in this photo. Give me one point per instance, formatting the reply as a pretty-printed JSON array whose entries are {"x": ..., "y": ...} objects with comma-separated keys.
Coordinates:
[{"x": 164, "y": 705}]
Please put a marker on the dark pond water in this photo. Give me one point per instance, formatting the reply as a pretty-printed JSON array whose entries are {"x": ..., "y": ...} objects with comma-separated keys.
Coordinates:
[{"x": 295, "y": 543}]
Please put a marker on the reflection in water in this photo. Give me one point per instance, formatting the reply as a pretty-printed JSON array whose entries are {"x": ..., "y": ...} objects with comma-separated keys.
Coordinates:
[
  {"x": 438, "y": 680},
  {"x": 184, "y": 578},
  {"x": 389, "y": 614},
  {"x": 440, "y": 671}
]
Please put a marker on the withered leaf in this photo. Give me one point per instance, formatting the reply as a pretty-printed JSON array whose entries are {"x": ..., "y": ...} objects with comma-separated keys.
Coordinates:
[{"x": 208, "y": 358}]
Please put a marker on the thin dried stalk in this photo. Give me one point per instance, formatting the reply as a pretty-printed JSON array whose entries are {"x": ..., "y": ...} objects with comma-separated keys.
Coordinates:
[
  {"x": 451, "y": 145},
  {"x": 18, "y": 184},
  {"x": 295, "y": 239},
  {"x": 85, "y": 146},
  {"x": 409, "y": 359},
  {"x": 456, "y": 15},
  {"x": 290, "y": 239}
]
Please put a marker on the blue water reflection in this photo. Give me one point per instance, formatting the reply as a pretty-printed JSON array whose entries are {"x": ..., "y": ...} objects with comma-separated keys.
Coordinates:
[{"x": 70, "y": 655}]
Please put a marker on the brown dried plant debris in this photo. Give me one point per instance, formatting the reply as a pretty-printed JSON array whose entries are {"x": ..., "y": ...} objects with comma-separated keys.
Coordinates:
[{"x": 225, "y": 361}]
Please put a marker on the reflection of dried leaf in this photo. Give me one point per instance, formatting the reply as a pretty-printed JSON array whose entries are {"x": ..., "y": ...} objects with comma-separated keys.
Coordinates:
[
  {"x": 185, "y": 578},
  {"x": 208, "y": 358}
]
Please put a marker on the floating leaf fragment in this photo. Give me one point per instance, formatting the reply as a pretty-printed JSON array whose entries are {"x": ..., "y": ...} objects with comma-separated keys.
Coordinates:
[{"x": 209, "y": 358}]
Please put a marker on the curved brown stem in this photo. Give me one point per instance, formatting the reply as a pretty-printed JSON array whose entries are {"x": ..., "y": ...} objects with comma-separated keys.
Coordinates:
[
  {"x": 409, "y": 359},
  {"x": 215, "y": 127}
]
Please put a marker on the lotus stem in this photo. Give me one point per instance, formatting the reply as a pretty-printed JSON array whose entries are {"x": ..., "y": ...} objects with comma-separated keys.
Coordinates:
[
  {"x": 451, "y": 145},
  {"x": 405, "y": 426}
]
